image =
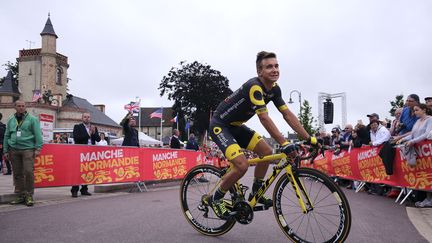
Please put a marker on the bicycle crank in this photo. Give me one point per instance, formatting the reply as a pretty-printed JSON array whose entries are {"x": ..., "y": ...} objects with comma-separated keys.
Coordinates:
[{"x": 243, "y": 212}]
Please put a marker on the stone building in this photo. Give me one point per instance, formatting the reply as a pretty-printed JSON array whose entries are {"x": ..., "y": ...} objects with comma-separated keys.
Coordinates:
[{"x": 42, "y": 84}]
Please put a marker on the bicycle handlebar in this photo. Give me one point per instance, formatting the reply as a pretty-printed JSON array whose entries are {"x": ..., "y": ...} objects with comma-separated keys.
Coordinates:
[{"x": 314, "y": 151}]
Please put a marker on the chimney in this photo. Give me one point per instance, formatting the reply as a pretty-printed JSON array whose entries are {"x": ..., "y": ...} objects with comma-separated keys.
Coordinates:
[{"x": 100, "y": 107}]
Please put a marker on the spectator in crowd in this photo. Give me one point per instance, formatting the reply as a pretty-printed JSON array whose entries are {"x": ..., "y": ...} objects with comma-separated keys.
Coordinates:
[
  {"x": 59, "y": 139},
  {"x": 346, "y": 137},
  {"x": 2, "y": 132},
  {"x": 428, "y": 101},
  {"x": 372, "y": 117},
  {"x": 175, "y": 142},
  {"x": 2, "y": 159},
  {"x": 22, "y": 143},
  {"x": 103, "y": 141},
  {"x": 395, "y": 125},
  {"x": 408, "y": 118},
  {"x": 130, "y": 133},
  {"x": 84, "y": 133},
  {"x": 420, "y": 130},
  {"x": 192, "y": 143},
  {"x": 378, "y": 133},
  {"x": 356, "y": 141},
  {"x": 323, "y": 138},
  {"x": 363, "y": 133},
  {"x": 65, "y": 137},
  {"x": 336, "y": 137}
]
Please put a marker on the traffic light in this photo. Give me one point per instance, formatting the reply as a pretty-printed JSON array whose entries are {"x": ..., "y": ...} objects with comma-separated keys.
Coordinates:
[{"x": 328, "y": 111}]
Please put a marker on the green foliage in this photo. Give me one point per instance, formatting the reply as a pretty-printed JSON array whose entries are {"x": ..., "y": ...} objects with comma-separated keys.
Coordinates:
[
  {"x": 196, "y": 89},
  {"x": 397, "y": 103},
  {"x": 306, "y": 118},
  {"x": 10, "y": 67}
]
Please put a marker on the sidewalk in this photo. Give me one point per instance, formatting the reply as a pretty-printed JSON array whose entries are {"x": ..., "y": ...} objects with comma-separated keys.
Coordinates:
[{"x": 62, "y": 193}]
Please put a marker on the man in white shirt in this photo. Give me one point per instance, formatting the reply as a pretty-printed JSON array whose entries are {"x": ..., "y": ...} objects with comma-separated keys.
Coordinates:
[{"x": 378, "y": 133}]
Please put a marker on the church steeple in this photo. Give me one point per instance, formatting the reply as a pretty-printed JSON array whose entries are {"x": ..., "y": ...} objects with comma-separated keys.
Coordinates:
[{"x": 48, "y": 29}]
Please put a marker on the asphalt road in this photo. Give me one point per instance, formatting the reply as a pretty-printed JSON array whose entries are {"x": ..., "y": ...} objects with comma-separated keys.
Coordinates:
[{"x": 156, "y": 217}]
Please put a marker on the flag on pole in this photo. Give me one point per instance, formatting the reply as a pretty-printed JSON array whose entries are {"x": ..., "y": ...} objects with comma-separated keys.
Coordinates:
[
  {"x": 174, "y": 119},
  {"x": 157, "y": 114},
  {"x": 187, "y": 125},
  {"x": 133, "y": 107},
  {"x": 37, "y": 95}
]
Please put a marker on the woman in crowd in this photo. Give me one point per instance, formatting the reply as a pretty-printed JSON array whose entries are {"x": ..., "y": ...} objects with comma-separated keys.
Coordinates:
[
  {"x": 420, "y": 130},
  {"x": 103, "y": 141}
]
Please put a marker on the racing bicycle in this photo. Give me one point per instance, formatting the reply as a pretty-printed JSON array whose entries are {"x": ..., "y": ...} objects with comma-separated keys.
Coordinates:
[{"x": 307, "y": 204}]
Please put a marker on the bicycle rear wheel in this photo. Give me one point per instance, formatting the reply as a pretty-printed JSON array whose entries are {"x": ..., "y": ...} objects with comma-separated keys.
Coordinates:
[
  {"x": 198, "y": 182},
  {"x": 328, "y": 221}
]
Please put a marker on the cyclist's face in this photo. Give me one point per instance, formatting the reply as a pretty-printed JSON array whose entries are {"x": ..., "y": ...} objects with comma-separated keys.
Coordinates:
[{"x": 269, "y": 70}]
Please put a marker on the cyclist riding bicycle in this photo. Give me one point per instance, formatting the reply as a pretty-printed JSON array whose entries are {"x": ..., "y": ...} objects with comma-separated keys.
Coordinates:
[{"x": 228, "y": 131}]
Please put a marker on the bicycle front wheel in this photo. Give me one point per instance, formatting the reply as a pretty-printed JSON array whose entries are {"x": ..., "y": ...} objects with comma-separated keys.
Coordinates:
[
  {"x": 198, "y": 182},
  {"x": 329, "y": 219}
]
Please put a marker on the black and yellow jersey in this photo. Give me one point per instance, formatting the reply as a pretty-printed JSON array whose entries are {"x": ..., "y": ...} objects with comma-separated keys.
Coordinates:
[{"x": 250, "y": 99}]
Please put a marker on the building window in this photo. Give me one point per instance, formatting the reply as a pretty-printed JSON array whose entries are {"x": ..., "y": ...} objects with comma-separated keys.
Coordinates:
[{"x": 59, "y": 76}]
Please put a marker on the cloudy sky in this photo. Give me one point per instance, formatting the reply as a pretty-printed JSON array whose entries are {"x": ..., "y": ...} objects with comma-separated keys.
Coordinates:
[{"x": 371, "y": 50}]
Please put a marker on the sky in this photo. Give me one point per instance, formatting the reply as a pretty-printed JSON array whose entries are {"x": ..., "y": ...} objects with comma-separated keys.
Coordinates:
[{"x": 118, "y": 50}]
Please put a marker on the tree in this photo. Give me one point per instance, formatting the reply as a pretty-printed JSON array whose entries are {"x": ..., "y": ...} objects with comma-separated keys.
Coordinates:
[
  {"x": 197, "y": 90},
  {"x": 397, "y": 103},
  {"x": 306, "y": 118},
  {"x": 13, "y": 67}
]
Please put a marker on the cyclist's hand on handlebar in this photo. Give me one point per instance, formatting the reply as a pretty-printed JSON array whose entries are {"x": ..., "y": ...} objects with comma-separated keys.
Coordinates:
[
  {"x": 289, "y": 149},
  {"x": 313, "y": 141}
]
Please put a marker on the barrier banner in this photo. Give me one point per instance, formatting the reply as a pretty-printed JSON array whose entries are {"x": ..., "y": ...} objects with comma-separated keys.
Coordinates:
[
  {"x": 65, "y": 164},
  {"x": 162, "y": 164},
  {"x": 364, "y": 164}
]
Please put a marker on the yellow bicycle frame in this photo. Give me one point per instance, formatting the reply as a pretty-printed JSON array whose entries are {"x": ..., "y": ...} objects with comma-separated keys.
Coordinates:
[{"x": 297, "y": 184}]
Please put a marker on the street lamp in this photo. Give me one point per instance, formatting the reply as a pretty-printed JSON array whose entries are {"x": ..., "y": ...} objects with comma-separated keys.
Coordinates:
[{"x": 299, "y": 95}]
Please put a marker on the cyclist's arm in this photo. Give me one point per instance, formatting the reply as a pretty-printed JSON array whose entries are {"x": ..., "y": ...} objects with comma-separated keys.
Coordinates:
[
  {"x": 271, "y": 128},
  {"x": 294, "y": 123}
]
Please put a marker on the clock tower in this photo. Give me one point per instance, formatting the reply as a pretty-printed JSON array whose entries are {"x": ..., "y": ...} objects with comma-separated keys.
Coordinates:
[{"x": 43, "y": 71}]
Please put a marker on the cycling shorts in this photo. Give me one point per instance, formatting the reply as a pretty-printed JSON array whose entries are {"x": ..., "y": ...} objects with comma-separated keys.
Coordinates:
[{"x": 231, "y": 138}]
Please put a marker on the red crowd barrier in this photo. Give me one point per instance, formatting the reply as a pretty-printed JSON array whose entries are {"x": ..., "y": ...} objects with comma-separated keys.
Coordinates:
[
  {"x": 364, "y": 164},
  {"x": 63, "y": 165}
]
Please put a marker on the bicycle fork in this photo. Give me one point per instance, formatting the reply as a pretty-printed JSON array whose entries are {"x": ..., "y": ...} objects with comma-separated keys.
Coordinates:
[{"x": 302, "y": 195}]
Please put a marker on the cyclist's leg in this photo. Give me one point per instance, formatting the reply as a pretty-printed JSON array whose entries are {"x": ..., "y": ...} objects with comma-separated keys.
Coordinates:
[
  {"x": 240, "y": 168},
  {"x": 249, "y": 139},
  {"x": 262, "y": 148},
  {"x": 222, "y": 136}
]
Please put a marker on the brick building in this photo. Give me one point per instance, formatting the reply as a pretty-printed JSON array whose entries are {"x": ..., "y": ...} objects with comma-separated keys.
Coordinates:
[{"x": 42, "y": 84}]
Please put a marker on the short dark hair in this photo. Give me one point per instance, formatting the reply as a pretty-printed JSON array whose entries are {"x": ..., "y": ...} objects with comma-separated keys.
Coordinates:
[
  {"x": 263, "y": 55},
  {"x": 1, "y": 115}
]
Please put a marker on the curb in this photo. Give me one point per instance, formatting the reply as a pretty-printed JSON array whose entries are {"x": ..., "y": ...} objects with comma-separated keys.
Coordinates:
[
  {"x": 6, "y": 198},
  {"x": 109, "y": 188}
]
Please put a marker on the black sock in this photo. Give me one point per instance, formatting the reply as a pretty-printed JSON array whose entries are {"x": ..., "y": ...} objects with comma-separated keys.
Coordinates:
[
  {"x": 219, "y": 194},
  {"x": 258, "y": 182}
]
